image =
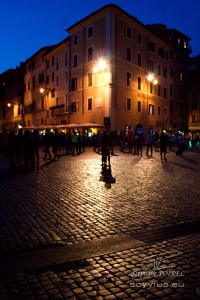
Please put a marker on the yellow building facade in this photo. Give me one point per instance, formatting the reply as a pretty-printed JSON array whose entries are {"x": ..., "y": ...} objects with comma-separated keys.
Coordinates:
[{"x": 111, "y": 70}]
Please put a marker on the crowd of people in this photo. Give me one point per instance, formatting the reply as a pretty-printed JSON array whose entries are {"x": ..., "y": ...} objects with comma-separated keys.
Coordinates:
[{"x": 23, "y": 148}]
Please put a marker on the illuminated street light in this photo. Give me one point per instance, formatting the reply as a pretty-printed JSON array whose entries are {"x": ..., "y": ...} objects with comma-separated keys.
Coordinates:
[
  {"x": 9, "y": 104},
  {"x": 151, "y": 78},
  {"x": 101, "y": 66},
  {"x": 41, "y": 90}
]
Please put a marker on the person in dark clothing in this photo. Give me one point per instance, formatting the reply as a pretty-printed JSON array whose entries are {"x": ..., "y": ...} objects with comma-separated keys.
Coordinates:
[
  {"x": 36, "y": 146},
  {"x": 105, "y": 143},
  {"x": 28, "y": 149},
  {"x": 163, "y": 145},
  {"x": 47, "y": 144},
  {"x": 55, "y": 145}
]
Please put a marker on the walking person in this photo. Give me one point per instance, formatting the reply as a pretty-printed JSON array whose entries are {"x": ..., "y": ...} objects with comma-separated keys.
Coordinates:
[{"x": 163, "y": 145}]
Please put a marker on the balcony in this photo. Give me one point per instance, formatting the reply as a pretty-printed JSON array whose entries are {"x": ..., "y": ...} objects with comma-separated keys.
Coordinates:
[{"x": 58, "y": 110}]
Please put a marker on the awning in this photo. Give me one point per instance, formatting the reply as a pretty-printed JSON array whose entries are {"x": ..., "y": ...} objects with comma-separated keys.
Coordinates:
[{"x": 81, "y": 125}]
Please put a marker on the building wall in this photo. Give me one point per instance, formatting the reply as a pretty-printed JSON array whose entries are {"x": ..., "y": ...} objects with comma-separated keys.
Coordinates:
[{"x": 75, "y": 93}]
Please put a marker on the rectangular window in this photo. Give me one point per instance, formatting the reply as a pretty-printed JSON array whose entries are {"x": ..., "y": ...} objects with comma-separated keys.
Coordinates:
[
  {"x": 193, "y": 118},
  {"x": 57, "y": 63},
  {"x": 75, "y": 60},
  {"x": 128, "y": 79},
  {"x": 158, "y": 110},
  {"x": 42, "y": 103},
  {"x": 139, "y": 83},
  {"x": 128, "y": 54},
  {"x": 66, "y": 59},
  {"x": 53, "y": 92},
  {"x": 75, "y": 40},
  {"x": 171, "y": 108},
  {"x": 151, "y": 87},
  {"x": 151, "y": 109},
  {"x": 139, "y": 39},
  {"x": 159, "y": 70},
  {"x": 19, "y": 110},
  {"x": 128, "y": 104},
  {"x": 171, "y": 90},
  {"x": 57, "y": 80},
  {"x": 52, "y": 76},
  {"x": 90, "y": 54},
  {"x": 89, "y": 106},
  {"x": 139, "y": 60},
  {"x": 165, "y": 72},
  {"x": 74, "y": 84},
  {"x": 90, "y": 32},
  {"x": 128, "y": 32},
  {"x": 139, "y": 106},
  {"x": 161, "y": 52},
  {"x": 159, "y": 90},
  {"x": 66, "y": 76},
  {"x": 74, "y": 107},
  {"x": 150, "y": 65},
  {"x": 165, "y": 93},
  {"x": 53, "y": 61},
  {"x": 89, "y": 79},
  {"x": 151, "y": 46}
]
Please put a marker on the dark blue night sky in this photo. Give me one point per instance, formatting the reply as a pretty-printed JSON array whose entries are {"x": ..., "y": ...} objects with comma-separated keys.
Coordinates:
[{"x": 26, "y": 26}]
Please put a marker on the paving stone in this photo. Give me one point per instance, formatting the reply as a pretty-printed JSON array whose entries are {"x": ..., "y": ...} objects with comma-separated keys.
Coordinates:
[{"x": 64, "y": 204}]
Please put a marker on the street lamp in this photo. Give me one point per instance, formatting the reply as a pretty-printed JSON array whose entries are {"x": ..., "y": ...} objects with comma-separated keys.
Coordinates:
[{"x": 100, "y": 66}]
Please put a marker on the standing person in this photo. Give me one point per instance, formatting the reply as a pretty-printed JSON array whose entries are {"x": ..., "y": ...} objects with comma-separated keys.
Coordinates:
[
  {"x": 163, "y": 145},
  {"x": 156, "y": 141},
  {"x": 149, "y": 144},
  {"x": 36, "y": 146},
  {"x": 105, "y": 145},
  {"x": 11, "y": 148},
  {"x": 68, "y": 143},
  {"x": 75, "y": 143},
  {"x": 139, "y": 145},
  {"x": 19, "y": 148},
  {"x": 122, "y": 141},
  {"x": 28, "y": 149},
  {"x": 130, "y": 141},
  {"x": 47, "y": 144},
  {"x": 180, "y": 145},
  {"x": 56, "y": 144}
]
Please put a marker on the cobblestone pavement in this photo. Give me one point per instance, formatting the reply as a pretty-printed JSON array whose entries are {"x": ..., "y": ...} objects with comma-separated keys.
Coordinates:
[{"x": 121, "y": 243}]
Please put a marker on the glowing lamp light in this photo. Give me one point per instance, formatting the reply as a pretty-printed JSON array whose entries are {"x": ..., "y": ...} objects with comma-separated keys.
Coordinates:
[
  {"x": 9, "y": 104},
  {"x": 155, "y": 81},
  {"x": 41, "y": 90},
  {"x": 100, "y": 66},
  {"x": 151, "y": 78}
]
